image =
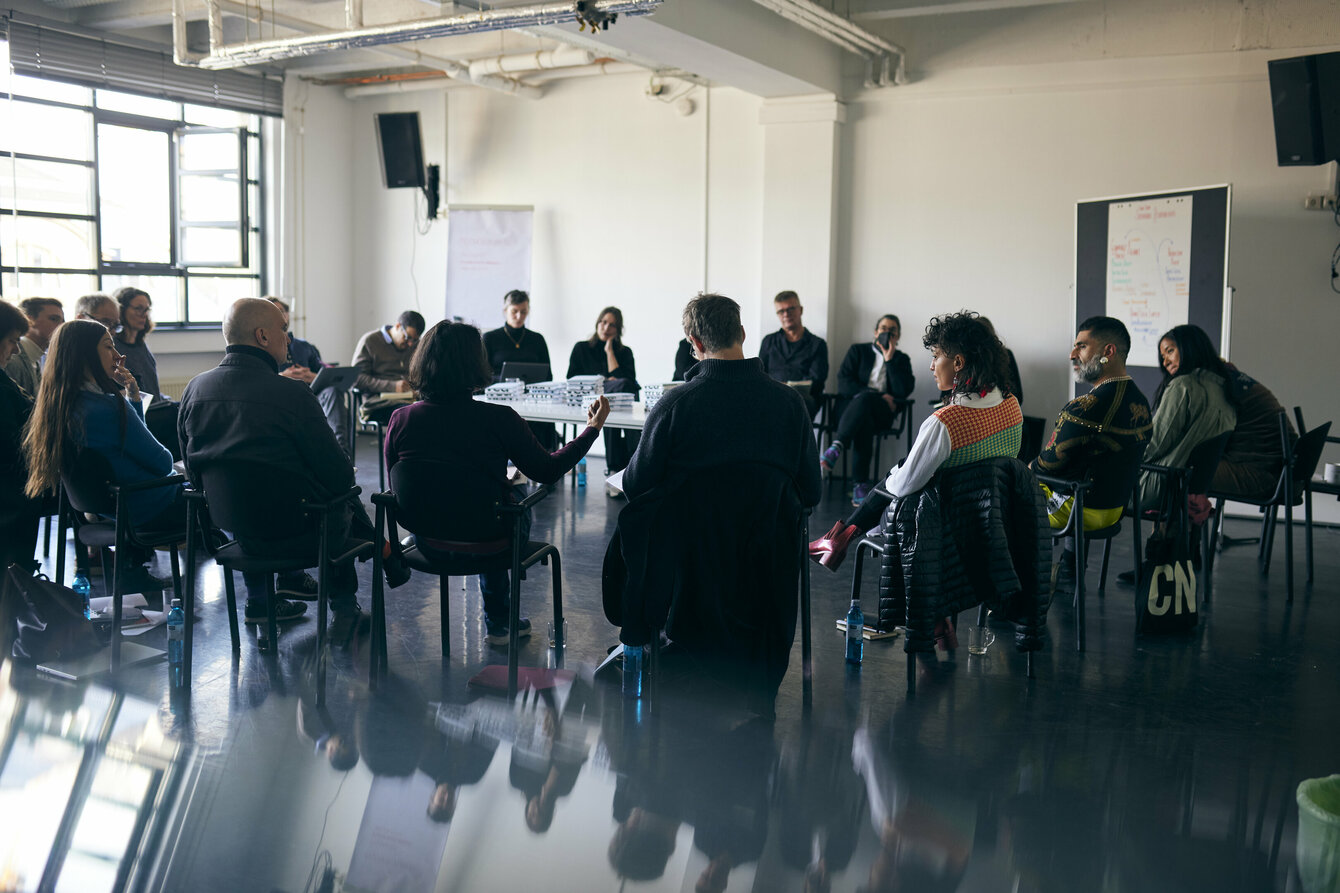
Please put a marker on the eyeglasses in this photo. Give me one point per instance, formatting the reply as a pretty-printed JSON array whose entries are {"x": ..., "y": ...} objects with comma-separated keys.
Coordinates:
[
  {"x": 110, "y": 322},
  {"x": 135, "y": 308},
  {"x": 785, "y": 310}
]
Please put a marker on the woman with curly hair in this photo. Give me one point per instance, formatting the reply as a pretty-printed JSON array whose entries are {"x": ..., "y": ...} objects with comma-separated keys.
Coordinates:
[{"x": 981, "y": 421}]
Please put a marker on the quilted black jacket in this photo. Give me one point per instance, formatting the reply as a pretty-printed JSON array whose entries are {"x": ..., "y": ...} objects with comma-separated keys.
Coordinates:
[{"x": 976, "y": 533}]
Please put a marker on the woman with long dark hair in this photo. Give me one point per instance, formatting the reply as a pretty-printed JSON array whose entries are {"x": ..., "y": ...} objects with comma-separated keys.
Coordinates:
[
  {"x": 1192, "y": 404},
  {"x": 88, "y": 400},
  {"x": 981, "y": 421},
  {"x": 449, "y": 427},
  {"x": 605, "y": 354}
]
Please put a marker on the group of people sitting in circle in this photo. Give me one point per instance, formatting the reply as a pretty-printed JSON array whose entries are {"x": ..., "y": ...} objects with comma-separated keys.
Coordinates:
[{"x": 74, "y": 386}]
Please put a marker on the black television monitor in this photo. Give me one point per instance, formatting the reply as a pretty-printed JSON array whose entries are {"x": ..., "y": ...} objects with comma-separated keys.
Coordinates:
[
  {"x": 401, "y": 149},
  {"x": 1305, "y": 98}
]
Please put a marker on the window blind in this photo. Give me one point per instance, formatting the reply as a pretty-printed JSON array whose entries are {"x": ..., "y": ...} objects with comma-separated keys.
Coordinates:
[{"x": 47, "y": 51}]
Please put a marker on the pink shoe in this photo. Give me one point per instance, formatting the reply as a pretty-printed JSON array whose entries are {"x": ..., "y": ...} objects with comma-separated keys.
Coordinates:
[{"x": 830, "y": 549}]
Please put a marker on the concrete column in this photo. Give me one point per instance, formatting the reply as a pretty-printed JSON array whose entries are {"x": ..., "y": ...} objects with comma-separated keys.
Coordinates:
[{"x": 800, "y": 191}]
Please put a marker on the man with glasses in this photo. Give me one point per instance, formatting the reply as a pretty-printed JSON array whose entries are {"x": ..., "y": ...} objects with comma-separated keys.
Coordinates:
[
  {"x": 25, "y": 367},
  {"x": 795, "y": 354},
  {"x": 99, "y": 308}
]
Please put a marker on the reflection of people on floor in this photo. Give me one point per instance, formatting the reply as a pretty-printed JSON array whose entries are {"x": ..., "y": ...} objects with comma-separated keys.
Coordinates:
[
  {"x": 925, "y": 835},
  {"x": 316, "y": 724},
  {"x": 820, "y": 805},
  {"x": 548, "y": 755},
  {"x": 454, "y": 763},
  {"x": 702, "y": 772}
]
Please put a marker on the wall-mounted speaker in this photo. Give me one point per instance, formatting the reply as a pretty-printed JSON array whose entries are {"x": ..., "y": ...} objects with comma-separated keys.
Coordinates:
[
  {"x": 401, "y": 149},
  {"x": 1305, "y": 96}
]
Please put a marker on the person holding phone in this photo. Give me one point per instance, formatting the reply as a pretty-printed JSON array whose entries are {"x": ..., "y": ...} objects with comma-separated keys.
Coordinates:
[
  {"x": 90, "y": 400},
  {"x": 872, "y": 378}
]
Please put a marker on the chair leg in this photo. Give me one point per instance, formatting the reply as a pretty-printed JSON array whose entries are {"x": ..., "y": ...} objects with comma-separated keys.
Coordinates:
[
  {"x": 231, "y": 593},
  {"x": 1102, "y": 576},
  {"x": 1288, "y": 544},
  {"x": 1081, "y": 556},
  {"x": 1207, "y": 558},
  {"x": 443, "y": 585},
  {"x": 176, "y": 573},
  {"x": 381, "y": 455},
  {"x": 46, "y": 538},
  {"x": 271, "y": 619},
  {"x": 557, "y": 575},
  {"x": 1307, "y": 521},
  {"x": 806, "y": 645}
]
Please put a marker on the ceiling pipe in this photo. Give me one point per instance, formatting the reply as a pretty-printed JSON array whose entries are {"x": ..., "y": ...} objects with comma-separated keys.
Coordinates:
[
  {"x": 239, "y": 55},
  {"x": 353, "y": 14},
  {"x": 443, "y": 83},
  {"x": 879, "y": 53},
  {"x": 564, "y": 57},
  {"x": 451, "y": 67}
]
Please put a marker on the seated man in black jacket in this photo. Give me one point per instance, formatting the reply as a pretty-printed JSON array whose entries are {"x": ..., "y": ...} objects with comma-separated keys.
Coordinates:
[
  {"x": 874, "y": 375},
  {"x": 244, "y": 410},
  {"x": 715, "y": 488}
]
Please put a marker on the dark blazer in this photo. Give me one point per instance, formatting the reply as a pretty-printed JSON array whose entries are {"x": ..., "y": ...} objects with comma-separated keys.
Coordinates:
[
  {"x": 854, "y": 373},
  {"x": 684, "y": 359},
  {"x": 714, "y": 558},
  {"x": 977, "y": 533},
  {"x": 589, "y": 359},
  {"x": 303, "y": 353},
  {"x": 244, "y": 410}
]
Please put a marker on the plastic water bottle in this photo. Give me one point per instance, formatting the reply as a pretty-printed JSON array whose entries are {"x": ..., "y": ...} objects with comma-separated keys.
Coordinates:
[
  {"x": 581, "y": 473},
  {"x": 855, "y": 628},
  {"x": 632, "y": 671},
  {"x": 176, "y": 636},
  {"x": 82, "y": 586}
]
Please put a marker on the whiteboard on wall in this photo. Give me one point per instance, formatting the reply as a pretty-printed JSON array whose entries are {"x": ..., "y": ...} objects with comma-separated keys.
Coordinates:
[
  {"x": 488, "y": 255},
  {"x": 1155, "y": 261}
]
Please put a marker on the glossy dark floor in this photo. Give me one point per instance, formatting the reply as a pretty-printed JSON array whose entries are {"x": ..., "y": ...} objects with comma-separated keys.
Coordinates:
[{"x": 1145, "y": 764}]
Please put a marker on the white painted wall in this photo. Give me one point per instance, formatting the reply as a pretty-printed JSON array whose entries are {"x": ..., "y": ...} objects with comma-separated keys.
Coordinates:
[{"x": 633, "y": 207}]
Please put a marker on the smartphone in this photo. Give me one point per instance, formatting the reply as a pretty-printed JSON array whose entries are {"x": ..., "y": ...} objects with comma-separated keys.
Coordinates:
[{"x": 884, "y": 339}]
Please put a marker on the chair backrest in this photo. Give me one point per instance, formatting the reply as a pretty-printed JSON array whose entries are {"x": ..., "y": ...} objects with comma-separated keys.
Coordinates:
[
  {"x": 86, "y": 475},
  {"x": 444, "y": 501},
  {"x": 1204, "y": 461},
  {"x": 253, "y": 500},
  {"x": 1030, "y": 442},
  {"x": 1307, "y": 452}
]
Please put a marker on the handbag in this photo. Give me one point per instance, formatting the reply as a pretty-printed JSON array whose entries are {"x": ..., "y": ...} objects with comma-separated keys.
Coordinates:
[
  {"x": 1167, "y": 597},
  {"x": 45, "y": 620}
]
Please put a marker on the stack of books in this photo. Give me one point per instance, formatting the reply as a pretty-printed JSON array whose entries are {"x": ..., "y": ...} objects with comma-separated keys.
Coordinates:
[
  {"x": 582, "y": 389},
  {"x": 506, "y": 391}
]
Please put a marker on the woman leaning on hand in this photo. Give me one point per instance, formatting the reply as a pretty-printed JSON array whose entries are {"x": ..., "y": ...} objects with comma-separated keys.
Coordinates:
[{"x": 605, "y": 354}]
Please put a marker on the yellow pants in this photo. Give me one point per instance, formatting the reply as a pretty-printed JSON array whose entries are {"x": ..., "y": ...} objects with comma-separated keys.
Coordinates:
[{"x": 1058, "y": 512}]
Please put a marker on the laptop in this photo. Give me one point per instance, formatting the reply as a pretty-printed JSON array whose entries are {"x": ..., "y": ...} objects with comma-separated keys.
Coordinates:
[
  {"x": 339, "y": 377},
  {"x": 530, "y": 373}
]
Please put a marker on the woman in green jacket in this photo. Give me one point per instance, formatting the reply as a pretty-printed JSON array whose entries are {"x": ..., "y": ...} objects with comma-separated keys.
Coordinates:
[{"x": 1192, "y": 405}]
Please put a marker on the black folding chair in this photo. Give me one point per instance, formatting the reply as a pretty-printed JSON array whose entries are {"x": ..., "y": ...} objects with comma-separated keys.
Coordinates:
[
  {"x": 87, "y": 488},
  {"x": 1194, "y": 478},
  {"x": 1300, "y": 463},
  {"x": 451, "y": 505},
  {"x": 256, "y": 502},
  {"x": 1313, "y": 485}
]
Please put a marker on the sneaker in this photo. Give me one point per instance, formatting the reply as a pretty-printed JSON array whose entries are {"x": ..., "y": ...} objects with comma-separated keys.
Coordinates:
[
  {"x": 829, "y": 460},
  {"x": 297, "y": 585},
  {"x": 348, "y": 624},
  {"x": 498, "y": 635},
  {"x": 284, "y": 610},
  {"x": 860, "y": 492}
]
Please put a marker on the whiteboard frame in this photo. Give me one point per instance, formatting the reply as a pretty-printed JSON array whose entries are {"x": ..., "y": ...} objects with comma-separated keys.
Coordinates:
[{"x": 1226, "y": 313}]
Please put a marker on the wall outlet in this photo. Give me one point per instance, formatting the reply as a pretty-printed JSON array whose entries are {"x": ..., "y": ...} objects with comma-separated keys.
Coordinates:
[{"x": 1319, "y": 202}]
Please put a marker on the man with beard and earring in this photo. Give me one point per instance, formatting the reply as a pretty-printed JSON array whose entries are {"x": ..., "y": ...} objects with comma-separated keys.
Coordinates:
[{"x": 1102, "y": 434}]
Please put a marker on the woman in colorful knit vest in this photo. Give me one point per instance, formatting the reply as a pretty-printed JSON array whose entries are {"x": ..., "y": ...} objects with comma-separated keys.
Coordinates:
[{"x": 982, "y": 421}]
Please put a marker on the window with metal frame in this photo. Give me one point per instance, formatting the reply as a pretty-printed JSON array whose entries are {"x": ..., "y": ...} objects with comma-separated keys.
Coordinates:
[{"x": 100, "y": 189}]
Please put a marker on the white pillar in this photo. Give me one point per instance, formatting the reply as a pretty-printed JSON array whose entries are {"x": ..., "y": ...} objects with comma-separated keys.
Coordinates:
[{"x": 800, "y": 190}]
